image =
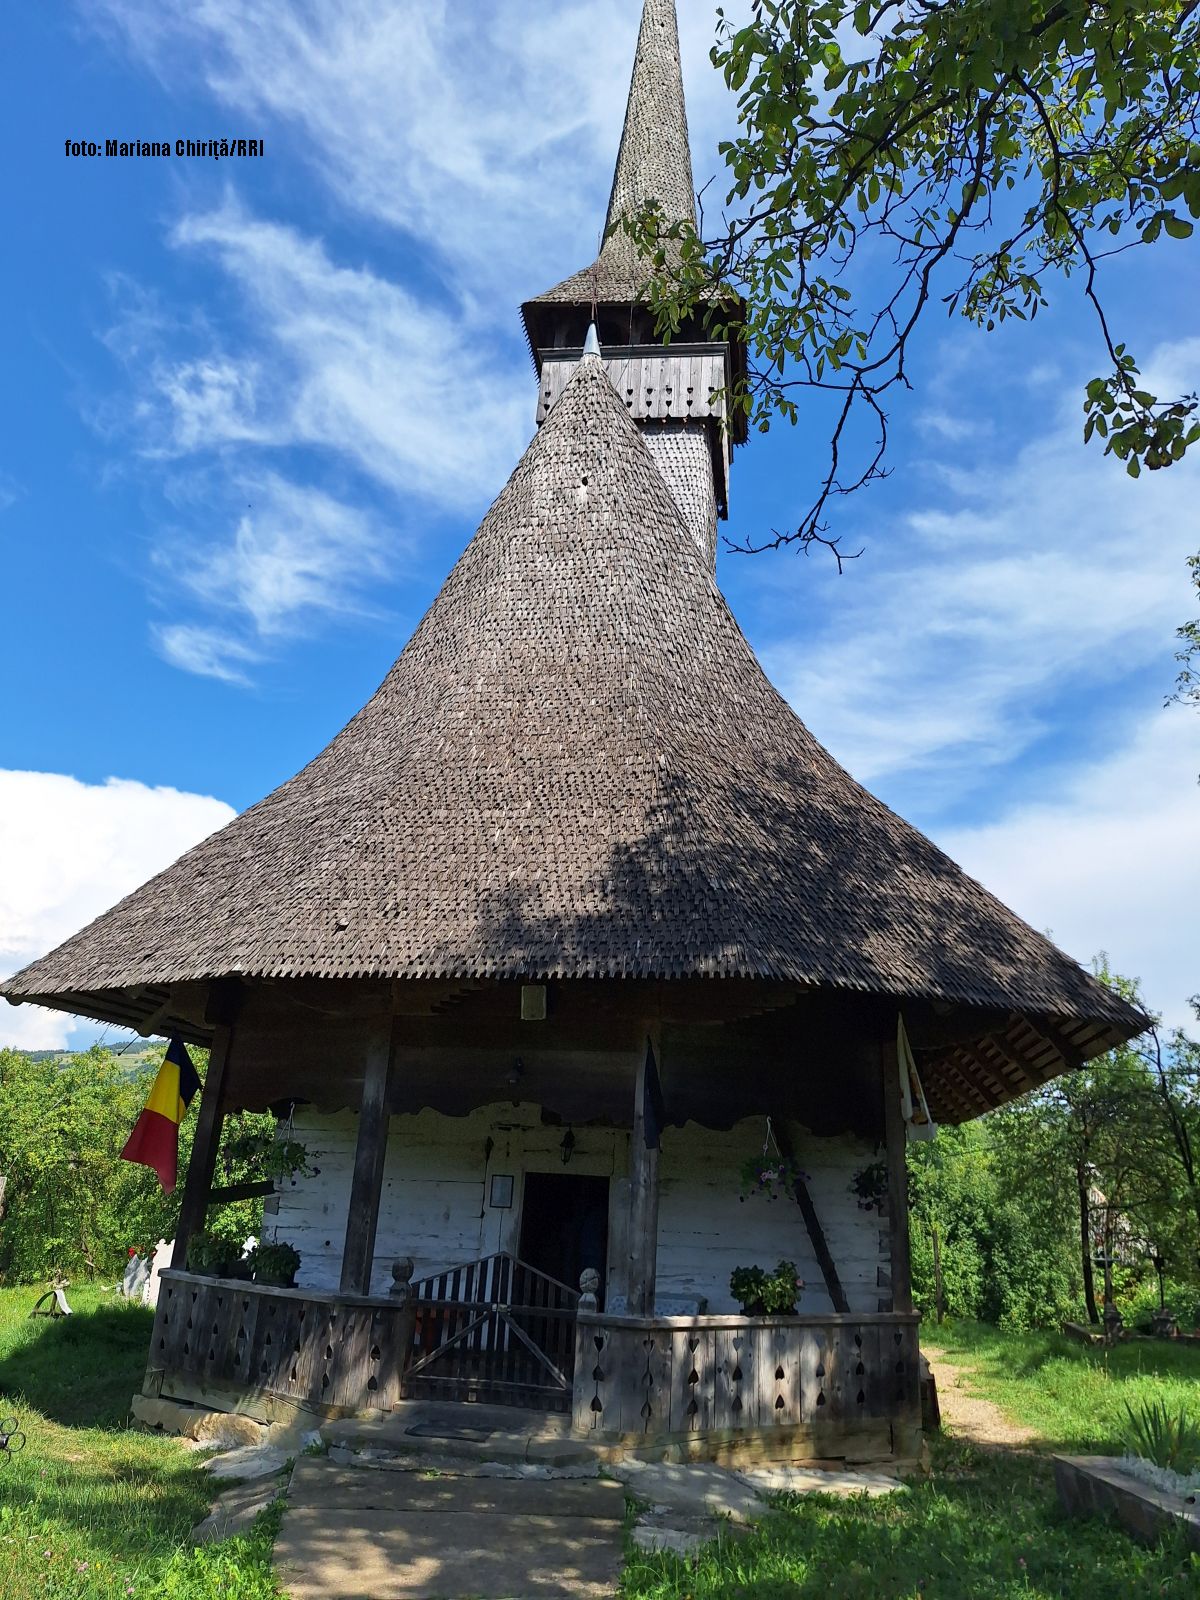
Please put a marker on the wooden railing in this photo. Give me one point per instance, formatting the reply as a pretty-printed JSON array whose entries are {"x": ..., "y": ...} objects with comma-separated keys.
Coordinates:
[
  {"x": 840, "y": 1382},
  {"x": 216, "y": 1339},
  {"x": 495, "y": 1330}
]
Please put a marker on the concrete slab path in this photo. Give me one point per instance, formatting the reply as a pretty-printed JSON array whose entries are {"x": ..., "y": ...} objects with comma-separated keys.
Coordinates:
[{"x": 350, "y": 1533}]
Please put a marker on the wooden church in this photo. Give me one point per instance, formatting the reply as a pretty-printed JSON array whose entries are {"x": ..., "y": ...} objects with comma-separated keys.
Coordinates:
[{"x": 572, "y": 931}]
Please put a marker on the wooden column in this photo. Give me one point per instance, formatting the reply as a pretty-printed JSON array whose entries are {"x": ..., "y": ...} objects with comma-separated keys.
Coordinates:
[
  {"x": 897, "y": 1142},
  {"x": 643, "y": 1194},
  {"x": 369, "y": 1156},
  {"x": 209, "y": 1121}
]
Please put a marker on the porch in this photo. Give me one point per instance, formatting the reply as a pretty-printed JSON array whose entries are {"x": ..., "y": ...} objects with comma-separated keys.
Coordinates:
[
  {"x": 721, "y": 1387},
  {"x": 573, "y": 1260}
]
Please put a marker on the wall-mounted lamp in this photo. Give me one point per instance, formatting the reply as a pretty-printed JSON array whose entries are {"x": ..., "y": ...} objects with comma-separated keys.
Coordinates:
[{"x": 567, "y": 1148}]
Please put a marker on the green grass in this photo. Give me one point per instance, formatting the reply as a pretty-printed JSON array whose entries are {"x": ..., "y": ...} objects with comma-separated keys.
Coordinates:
[
  {"x": 89, "y": 1508},
  {"x": 1073, "y": 1395},
  {"x": 986, "y": 1525}
]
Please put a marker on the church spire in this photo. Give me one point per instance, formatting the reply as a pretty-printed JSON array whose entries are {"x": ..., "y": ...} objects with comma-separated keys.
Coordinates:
[
  {"x": 654, "y": 161},
  {"x": 676, "y": 395}
]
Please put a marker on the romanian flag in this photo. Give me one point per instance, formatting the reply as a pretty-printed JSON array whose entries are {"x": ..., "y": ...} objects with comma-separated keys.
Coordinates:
[{"x": 154, "y": 1141}]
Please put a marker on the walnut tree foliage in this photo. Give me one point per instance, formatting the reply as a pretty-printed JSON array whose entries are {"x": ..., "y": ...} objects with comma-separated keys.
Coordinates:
[
  {"x": 900, "y": 156},
  {"x": 1187, "y": 685}
]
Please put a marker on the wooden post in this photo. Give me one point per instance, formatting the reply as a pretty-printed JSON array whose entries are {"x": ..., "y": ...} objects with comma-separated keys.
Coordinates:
[
  {"x": 897, "y": 1141},
  {"x": 369, "y": 1156},
  {"x": 643, "y": 1194},
  {"x": 209, "y": 1121}
]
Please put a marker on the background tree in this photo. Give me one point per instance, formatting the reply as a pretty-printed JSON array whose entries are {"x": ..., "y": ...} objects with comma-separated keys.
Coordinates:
[
  {"x": 70, "y": 1204},
  {"x": 1021, "y": 1200},
  {"x": 893, "y": 156}
]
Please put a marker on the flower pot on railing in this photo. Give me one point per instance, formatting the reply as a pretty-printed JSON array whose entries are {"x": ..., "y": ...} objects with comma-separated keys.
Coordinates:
[
  {"x": 275, "y": 1265},
  {"x": 767, "y": 1294},
  {"x": 215, "y": 1257}
]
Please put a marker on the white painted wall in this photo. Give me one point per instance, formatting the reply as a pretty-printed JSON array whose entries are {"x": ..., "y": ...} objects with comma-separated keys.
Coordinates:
[{"x": 437, "y": 1184}]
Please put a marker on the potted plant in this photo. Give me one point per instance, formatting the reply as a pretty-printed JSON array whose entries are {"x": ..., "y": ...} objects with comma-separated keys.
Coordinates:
[
  {"x": 767, "y": 1294},
  {"x": 217, "y": 1256},
  {"x": 276, "y": 1264}
]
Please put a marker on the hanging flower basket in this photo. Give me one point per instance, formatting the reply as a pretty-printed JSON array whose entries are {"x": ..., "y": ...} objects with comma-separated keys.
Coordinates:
[
  {"x": 771, "y": 1175},
  {"x": 870, "y": 1186},
  {"x": 260, "y": 1152}
]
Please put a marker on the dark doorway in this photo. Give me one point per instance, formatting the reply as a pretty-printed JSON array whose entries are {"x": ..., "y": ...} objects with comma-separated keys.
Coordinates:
[{"x": 564, "y": 1226}]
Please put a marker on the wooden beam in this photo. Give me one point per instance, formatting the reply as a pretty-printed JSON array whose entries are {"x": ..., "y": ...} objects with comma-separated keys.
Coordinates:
[
  {"x": 1028, "y": 1073},
  {"x": 1023, "y": 1080},
  {"x": 967, "y": 1089},
  {"x": 209, "y": 1121},
  {"x": 998, "y": 1089},
  {"x": 897, "y": 1139},
  {"x": 370, "y": 1153},
  {"x": 1069, "y": 1052},
  {"x": 643, "y": 1192},
  {"x": 816, "y": 1234}
]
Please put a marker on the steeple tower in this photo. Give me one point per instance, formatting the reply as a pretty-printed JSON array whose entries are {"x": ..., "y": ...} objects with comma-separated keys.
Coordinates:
[
  {"x": 654, "y": 161},
  {"x": 674, "y": 393}
]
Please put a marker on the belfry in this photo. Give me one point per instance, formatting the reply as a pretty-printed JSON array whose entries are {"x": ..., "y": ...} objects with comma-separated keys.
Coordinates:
[{"x": 571, "y": 951}]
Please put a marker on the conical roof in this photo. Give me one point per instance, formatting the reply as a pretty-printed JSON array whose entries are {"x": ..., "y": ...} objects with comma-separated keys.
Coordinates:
[
  {"x": 654, "y": 163},
  {"x": 577, "y": 768}
]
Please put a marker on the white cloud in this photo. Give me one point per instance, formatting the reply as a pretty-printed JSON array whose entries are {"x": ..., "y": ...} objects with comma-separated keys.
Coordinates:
[
  {"x": 1021, "y": 581},
  {"x": 295, "y": 554},
  {"x": 208, "y": 652},
  {"x": 69, "y": 850},
  {"x": 333, "y": 358},
  {"x": 945, "y": 426},
  {"x": 1112, "y": 863}
]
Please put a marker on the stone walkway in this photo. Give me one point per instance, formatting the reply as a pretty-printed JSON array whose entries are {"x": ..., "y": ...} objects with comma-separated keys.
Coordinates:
[
  {"x": 354, "y": 1531},
  {"x": 431, "y": 1505}
]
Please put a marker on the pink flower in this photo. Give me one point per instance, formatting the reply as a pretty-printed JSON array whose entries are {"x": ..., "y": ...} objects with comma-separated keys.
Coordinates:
[{"x": 81, "y": 1566}]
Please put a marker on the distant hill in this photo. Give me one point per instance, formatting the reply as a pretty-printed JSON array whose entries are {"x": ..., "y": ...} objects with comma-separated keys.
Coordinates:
[{"x": 134, "y": 1058}]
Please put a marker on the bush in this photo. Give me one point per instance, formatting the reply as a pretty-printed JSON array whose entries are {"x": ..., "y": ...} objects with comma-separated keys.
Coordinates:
[{"x": 1139, "y": 1303}]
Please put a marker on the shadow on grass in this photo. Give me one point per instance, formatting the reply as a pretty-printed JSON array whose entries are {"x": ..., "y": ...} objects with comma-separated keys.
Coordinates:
[
  {"x": 987, "y": 1526},
  {"x": 82, "y": 1371}
]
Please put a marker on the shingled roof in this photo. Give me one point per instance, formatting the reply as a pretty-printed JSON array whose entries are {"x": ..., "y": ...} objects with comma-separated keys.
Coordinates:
[
  {"x": 577, "y": 768},
  {"x": 654, "y": 163}
]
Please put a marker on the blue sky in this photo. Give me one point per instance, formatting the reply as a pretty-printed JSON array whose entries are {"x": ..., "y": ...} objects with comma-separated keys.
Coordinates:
[{"x": 254, "y": 409}]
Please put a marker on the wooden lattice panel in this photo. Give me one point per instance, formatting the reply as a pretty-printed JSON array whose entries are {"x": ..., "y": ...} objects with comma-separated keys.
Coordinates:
[
  {"x": 215, "y": 1334},
  {"x": 680, "y": 1376}
]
